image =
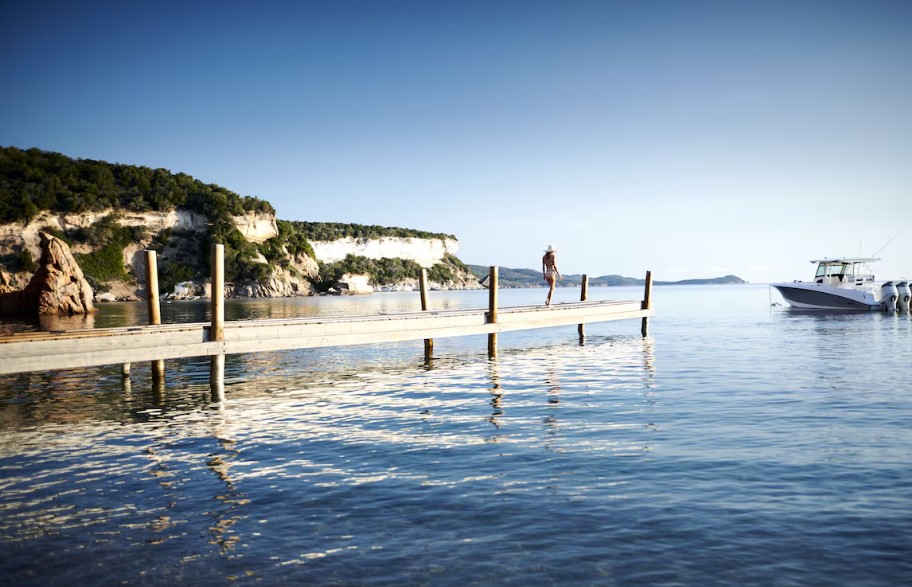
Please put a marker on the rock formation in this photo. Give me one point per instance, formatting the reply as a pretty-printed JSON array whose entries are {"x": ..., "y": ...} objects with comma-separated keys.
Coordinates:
[
  {"x": 58, "y": 286},
  {"x": 6, "y": 282}
]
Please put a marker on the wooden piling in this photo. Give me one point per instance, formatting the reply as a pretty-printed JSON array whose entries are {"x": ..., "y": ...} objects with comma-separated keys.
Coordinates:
[
  {"x": 154, "y": 308},
  {"x": 647, "y": 303},
  {"x": 152, "y": 303},
  {"x": 584, "y": 294},
  {"x": 492, "y": 310},
  {"x": 423, "y": 283},
  {"x": 217, "y": 325},
  {"x": 217, "y": 295}
]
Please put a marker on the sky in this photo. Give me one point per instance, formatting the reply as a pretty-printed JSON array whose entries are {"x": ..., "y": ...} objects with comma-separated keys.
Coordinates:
[{"x": 690, "y": 138}]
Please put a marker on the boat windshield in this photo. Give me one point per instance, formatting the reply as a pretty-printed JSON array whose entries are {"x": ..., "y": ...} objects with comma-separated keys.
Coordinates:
[{"x": 825, "y": 269}]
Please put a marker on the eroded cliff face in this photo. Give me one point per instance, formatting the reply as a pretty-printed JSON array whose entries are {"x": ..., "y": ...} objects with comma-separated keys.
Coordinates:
[
  {"x": 288, "y": 280},
  {"x": 425, "y": 252},
  {"x": 183, "y": 232},
  {"x": 257, "y": 227},
  {"x": 14, "y": 235}
]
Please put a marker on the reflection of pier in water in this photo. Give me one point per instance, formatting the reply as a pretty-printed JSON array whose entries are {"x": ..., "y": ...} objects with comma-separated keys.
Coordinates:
[
  {"x": 42, "y": 351},
  {"x": 456, "y": 402}
]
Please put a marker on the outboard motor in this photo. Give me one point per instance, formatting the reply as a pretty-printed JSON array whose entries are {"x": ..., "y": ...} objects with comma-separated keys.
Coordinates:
[
  {"x": 888, "y": 295},
  {"x": 903, "y": 296}
]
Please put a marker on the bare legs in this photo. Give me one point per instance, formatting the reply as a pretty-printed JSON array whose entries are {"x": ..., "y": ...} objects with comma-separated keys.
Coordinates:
[{"x": 551, "y": 283}]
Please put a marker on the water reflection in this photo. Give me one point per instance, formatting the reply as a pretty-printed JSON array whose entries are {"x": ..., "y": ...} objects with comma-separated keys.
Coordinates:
[
  {"x": 497, "y": 395},
  {"x": 231, "y": 499},
  {"x": 144, "y": 459}
]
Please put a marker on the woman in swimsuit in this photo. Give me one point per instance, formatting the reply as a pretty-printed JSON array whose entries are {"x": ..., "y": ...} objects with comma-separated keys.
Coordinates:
[{"x": 549, "y": 271}]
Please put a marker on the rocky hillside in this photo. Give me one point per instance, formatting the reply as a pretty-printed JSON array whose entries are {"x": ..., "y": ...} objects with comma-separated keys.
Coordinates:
[{"x": 110, "y": 213}]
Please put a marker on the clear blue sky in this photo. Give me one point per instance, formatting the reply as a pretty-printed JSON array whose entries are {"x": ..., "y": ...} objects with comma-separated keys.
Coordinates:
[{"x": 692, "y": 138}]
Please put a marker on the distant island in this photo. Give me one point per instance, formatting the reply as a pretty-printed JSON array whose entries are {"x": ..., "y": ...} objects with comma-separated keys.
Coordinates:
[{"x": 510, "y": 278}]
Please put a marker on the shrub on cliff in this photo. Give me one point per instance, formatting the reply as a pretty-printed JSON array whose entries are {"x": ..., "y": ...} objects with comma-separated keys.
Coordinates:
[{"x": 24, "y": 260}]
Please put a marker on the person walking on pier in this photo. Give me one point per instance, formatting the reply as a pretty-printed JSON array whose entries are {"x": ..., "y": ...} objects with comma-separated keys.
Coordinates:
[{"x": 549, "y": 271}]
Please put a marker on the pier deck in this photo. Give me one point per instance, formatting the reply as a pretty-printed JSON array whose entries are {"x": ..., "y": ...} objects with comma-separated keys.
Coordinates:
[{"x": 42, "y": 351}]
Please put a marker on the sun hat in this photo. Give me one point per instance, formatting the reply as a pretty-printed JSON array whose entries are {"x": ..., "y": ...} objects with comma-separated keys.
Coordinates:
[{"x": 550, "y": 249}]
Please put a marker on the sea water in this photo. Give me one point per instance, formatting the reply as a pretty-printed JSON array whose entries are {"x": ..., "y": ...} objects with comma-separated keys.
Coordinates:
[{"x": 738, "y": 444}]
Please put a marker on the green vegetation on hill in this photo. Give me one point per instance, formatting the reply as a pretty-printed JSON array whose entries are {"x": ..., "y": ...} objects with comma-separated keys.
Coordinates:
[
  {"x": 34, "y": 180},
  {"x": 105, "y": 263},
  {"x": 330, "y": 231},
  {"x": 388, "y": 271}
]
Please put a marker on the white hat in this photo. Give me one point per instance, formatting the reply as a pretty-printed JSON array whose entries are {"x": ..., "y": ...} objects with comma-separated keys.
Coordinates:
[{"x": 550, "y": 249}]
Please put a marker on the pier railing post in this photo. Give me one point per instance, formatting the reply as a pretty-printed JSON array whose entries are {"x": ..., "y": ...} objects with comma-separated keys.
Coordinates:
[
  {"x": 153, "y": 306},
  {"x": 217, "y": 298},
  {"x": 152, "y": 303},
  {"x": 584, "y": 294},
  {"x": 423, "y": 284},
  {"x": 217, "y": 326},
  {"x": 647, "y": 303},
  {"x": 492, "y": 310}
]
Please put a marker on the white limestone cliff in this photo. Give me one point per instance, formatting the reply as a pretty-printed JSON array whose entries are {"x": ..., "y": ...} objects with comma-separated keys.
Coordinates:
[
  {"x": 257, "y": 227},
  {"x": 155, "y": 222},
  {"x": 425, "y": 252},
  {"x": 290, "y": 279}
]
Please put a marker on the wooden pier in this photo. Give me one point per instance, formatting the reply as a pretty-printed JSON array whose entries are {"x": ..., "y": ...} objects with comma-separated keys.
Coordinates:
[{"x": 43, "y": 351}]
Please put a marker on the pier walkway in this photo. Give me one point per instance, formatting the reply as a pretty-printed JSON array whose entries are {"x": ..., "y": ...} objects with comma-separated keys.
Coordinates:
[
  {"x": 73, "y": 349},
  {"x": 42, "y": 351}
]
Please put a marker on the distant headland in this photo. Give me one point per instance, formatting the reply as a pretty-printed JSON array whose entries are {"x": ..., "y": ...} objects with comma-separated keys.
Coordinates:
[{"x": 512, "y": 278}]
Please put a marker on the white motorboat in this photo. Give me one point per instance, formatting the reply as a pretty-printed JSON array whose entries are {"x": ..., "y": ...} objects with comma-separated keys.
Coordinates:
[{"x": 839, "y": 284}]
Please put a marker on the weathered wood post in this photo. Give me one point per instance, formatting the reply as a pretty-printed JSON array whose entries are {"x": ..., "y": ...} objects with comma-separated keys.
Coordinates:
[
  {"x": 217, "y": 295},
  {"x": 647, "y": 303},
  {"x": 217, "y": 316},
  {"x": 152, "y": 303},
  {"x": 153, "y": 306},
  {"x": 584, "y": 294},
  {"x": 492, "y": 310},
  {"x": 423, "y": 284}
]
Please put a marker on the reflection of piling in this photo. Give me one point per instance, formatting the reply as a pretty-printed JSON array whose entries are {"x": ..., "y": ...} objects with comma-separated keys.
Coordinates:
[
  {"x": 584, "y": 294},
  {"x": 423, "y": 282},
  {"x": 158, "y": 382},
  {"x": 496, "y": 394},
  {"x": 492, "y": 311},
  {"x": 154, "y": 307},
  {"x": 217, "y": 377},
  {"x": 647, "y": 303}
]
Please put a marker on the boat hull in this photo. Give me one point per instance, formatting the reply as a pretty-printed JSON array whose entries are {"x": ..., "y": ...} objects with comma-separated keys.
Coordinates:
[{"x": 810, "y": 296}]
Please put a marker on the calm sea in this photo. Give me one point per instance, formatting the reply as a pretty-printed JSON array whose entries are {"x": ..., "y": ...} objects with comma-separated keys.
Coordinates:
[{"x": 739, "y": 444}]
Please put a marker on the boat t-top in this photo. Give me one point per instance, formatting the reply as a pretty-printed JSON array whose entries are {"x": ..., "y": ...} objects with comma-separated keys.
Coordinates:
[{"x": 845, "y": 283}]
